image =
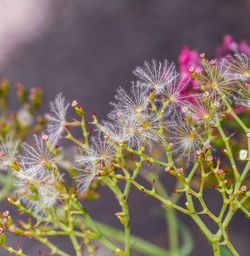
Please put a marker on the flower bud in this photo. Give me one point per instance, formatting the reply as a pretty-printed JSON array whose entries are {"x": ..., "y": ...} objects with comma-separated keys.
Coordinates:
[
  {"x": 167, "y": 169},
  {"x": 74, "y": 104},
  {"x": 22, "y": 93},
  {"x": 45, "y": 137},
  {"x": 243, "y": 154},
  {"x": 36, "y": 97},
  {"x": 243, "y": 188},
  {"x": 220, "y": 171},
  {"x": 198, "y": 152},
  {"x": 24, "y": 117},
  {"x": 180, "y": 170}
]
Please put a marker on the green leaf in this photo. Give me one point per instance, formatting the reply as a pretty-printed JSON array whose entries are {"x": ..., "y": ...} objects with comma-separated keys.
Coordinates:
[{"x": 224, "y": 251}]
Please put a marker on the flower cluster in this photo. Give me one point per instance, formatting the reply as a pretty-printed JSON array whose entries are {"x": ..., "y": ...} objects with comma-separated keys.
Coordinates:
[
  {"x": 179, "y": 113},
  {"x": 161, "y": 108}
]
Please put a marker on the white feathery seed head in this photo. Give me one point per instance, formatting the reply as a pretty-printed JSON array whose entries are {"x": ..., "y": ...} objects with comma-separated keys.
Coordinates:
[
  {"x": 175, "y": 95},
  {"x": 156, "y": 75},
  {"x": 57, "y": 118},
  {"x": 135, "y": 102},
  {"x": 186, "y": 140},
  {"x": 238, "y": 66},
  {"x": 145, "y": 129},
  {"x": 239, "y": 69},
  {"x": 137, "y": 129},
  {"x": 8, "y": 152},
  {"x": 87, "y": 173},
  {"x": 214, "y": 80},
  {"x": 201, "y": 110},
  {"x": 116, "y": 130},
  {"x": 37, "y": 159},
  {"x": 37, "y": 194},
  {"x": 99, "y": 155},
  {"x": 99, "y": 152}
]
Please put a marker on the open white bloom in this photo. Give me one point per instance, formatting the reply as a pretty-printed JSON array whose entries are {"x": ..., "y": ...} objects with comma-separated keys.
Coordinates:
[
  {"x": 135, "y": 102},
  {"x": 8, "y": 152},
  {"x": 37, "y": 159},
  {"x": 57, "y": 118},
  {"x": 156, "y": 75},
  {"x": 243, "y": 154}
]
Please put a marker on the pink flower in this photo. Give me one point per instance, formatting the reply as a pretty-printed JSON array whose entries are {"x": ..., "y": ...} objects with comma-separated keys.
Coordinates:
[
  {"x": 229, "y": 45},
  {"x": 244, "y": 47},
  {"x": 187, "y": 59}
]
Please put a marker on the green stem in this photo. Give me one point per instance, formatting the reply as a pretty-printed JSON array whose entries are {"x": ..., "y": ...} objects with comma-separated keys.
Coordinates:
[
  {"x": 125, "y": 210},
  {"x": 170, "y": 215},
  {"x": 228, "y": 148},
  {"x": 167, "y": 203},
  {"x": 232, "y": 249},
  {"x": 75, "y": 244},
  {"x": 216, "y": 249},
  {"x": 197, "y": 219},
  {"x": 84, "y": 130},
  {"x": 234, "y": 115},
  {"x": 146, "y": 157},
  {"x": 13, "y": 251},
  {"x": 245, "y": 171},
  {"x": 52, "y": 247},
  {"x": 96, "y": 229},
  {"x": 70, "y": 137}
]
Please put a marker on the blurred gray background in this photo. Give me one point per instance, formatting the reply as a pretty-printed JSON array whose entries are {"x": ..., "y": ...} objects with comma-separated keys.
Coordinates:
[{"x": 87, "y": 48}]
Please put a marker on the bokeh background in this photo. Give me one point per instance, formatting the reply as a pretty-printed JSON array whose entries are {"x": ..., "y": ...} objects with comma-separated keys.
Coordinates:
[{"x": 87, "y": 48}]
